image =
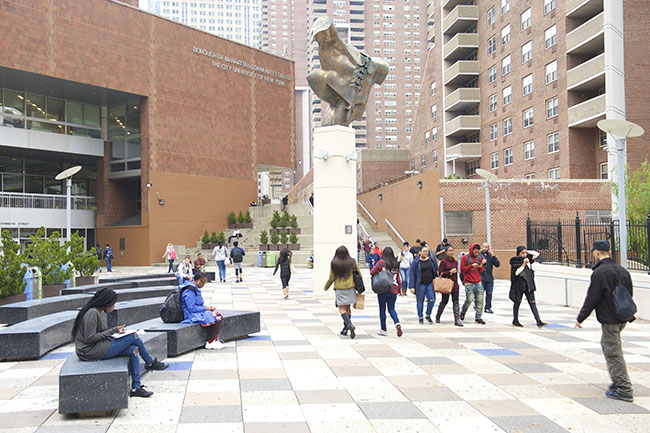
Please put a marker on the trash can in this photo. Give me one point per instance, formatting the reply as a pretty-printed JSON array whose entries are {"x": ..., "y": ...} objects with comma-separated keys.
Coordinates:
[
  {"x": 259, "y": 258},
  {"x": 270, "y": 259},
  {"x": 29, "y": 287},
  {"x": 263, "y": 259}
]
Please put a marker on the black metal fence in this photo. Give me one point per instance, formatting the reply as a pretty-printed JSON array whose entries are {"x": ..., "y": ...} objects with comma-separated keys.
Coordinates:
[{"x": 569, "y": 242}]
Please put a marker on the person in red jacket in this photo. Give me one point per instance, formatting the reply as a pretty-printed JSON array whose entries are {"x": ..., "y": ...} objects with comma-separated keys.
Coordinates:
[
  {"x": 448, "y": 268},
  {"x": 471, "y": 265}
]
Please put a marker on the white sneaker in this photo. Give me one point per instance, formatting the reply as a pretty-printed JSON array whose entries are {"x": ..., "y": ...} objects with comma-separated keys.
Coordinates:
[
  {"x": 382, "y": 333},
  {"x": 215, "y": 345}
]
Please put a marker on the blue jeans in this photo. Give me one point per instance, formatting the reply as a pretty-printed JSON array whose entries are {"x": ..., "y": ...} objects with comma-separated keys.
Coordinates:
[
  {"x": 109, "y": 268},
  {"x": 387, "y": 300},
  {"x": 488, "y": 286},
  {"x": 126, "y": 346},
  {"x": 421, "y": 292},
  {"x": 222, "y": 269},
  {"x": 404, "y": 275},
  {"x": 171, "y": 265}
]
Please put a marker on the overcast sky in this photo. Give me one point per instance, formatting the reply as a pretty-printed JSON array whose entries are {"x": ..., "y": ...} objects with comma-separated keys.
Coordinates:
[{"x": 143, "y": 4}]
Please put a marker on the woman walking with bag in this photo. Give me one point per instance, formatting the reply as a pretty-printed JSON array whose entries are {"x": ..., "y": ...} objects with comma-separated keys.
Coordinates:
[
  {"x": 342, "y": 270},
  {"x": 284, "y": 263},
  {"x": 421, "y": 275},
  {"x": 449, "y": 269},
  {"x": 522, "y": 282},
  {"x": 405, "y": 260},
  {"x": 389, "y": 264},
  {"x": 220, "y": 253}
]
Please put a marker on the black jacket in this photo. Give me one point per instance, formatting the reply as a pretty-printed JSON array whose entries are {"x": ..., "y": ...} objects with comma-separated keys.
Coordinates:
[
  {"x": 522, "y": 283},
  {"x": 492, "y": 261},
  {"x": 606, "y": 275}
]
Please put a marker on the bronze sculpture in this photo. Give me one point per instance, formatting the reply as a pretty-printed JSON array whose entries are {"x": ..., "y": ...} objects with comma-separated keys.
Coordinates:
[{"x": 346, "y": 75}]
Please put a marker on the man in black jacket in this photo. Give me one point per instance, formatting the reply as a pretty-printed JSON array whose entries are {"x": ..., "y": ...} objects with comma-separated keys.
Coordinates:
[
  {"x": 487, "y": 277},
  {"x": 605, "y": 277}
]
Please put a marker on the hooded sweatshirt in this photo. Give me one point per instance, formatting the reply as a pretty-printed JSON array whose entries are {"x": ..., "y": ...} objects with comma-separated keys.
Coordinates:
[{"x": 471, "y": 274}]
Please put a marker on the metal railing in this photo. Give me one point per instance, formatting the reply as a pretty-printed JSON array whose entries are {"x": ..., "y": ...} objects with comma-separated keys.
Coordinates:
[
  {"x": 45, "y": 201},
  {"x": 367, "y": 211},
  {"x": 365, "y": 232},
  {"x": 311, "y": 208},
  {"x": 394, "y": 230}
]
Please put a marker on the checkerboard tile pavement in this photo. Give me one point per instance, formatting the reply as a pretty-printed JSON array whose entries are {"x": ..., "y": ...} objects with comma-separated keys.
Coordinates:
[{"x": 300, "y": 375}]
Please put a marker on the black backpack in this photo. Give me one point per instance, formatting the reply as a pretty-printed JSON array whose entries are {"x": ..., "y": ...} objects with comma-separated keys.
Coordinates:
[
  {"x": 171, "y": 311},
  {"x": 624, "y": 306},
  {"x": 236, "y": 255}
]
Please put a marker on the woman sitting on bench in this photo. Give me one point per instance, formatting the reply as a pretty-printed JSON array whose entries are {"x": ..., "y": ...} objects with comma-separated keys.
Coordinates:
[
  {"x": 94, "y": 340},
  {"x": 195, "y": 310}
]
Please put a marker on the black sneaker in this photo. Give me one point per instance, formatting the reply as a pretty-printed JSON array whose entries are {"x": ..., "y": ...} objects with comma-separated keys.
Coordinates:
[
  {"x": 462, "y": 316},
  {"x": 479, "y": 321},
  {"x": 421, "y": 321},
  {"x": 517, "y": 325},
  {"x": 140, "y": 392},
  {"x": 613, "y": 394},
  {"x": 541, "y": 324},
  {"x": 489, "y": 311},
  {"x": 156, "y": 365},
  {"x": 429, "y": 319}
]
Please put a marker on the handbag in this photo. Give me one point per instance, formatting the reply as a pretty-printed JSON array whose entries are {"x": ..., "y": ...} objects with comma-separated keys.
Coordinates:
[
  {"x": 358, "y": 282},
  {"x": 292, "y": 269},
  {"x": 443, "y": 285},
  {"x": 226, "y": 261},
  {"x": 360, "y": 302},
  {"x": 382, "y": 282}
]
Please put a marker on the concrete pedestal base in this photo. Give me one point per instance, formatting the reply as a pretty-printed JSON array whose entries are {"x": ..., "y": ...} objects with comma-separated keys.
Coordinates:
[{"x": 335, "y": 195}]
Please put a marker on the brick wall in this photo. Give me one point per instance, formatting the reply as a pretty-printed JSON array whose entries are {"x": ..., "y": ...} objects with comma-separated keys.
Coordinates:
[{"x": 372, "y": 173}]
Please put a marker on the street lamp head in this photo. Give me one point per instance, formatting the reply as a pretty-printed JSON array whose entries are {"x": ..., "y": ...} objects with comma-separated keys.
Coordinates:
[
  {"x": 487, "y": 175},
  {"x": 620, "y": 128},
  {"x": 68, "y": 172},
  {"x": 149, "y": 185}
]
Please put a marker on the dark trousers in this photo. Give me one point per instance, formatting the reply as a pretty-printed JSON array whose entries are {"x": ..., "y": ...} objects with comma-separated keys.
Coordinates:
[
  {"x": 109, "y": 267},
  {"x": 171, "y": 265},
  {"x": 488, "y": 286},
  {"x": 126, "y": 346},
  {"x": 445, "y": 300},
  {"x": 613, "y": 351},
  {"x": 387, "y": 300}
]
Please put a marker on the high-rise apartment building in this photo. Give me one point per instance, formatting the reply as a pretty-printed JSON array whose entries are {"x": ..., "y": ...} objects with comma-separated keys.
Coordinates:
[
  {"x": 238, "y": 20},
  {"x": 517, "y": 87},
  {"x": 395, "y": 30}
]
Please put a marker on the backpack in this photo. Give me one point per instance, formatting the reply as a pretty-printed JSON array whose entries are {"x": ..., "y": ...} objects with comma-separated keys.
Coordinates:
[
  {"x": 109, "y": 254},
  {"x": 171, "y": 311},
  {"x": 382, "y": 282},
  {"x": 236, "y": 255},
  {"x": 461, "y": 277},
  {"x": 624, "y": 306}
]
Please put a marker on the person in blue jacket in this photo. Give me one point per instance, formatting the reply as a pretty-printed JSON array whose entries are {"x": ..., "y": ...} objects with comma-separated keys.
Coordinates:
[
  {"x": 195, "y": 310},
  {"x": 421, "y": 275}
]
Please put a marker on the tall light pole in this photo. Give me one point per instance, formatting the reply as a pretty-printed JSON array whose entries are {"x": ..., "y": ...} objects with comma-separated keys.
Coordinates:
[
  {"x": 489, "y": 177},
  {"x": 621, "y": 128},
  {"x": 67, "y": 175}
]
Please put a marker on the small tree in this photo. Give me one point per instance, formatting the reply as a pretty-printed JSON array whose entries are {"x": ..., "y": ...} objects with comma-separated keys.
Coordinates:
[
  {"x": 293, "y": 238},
  {"x": 50, "y": 256},
  {"x": 84, "y": 262},
  {"x": 11, "y": 270},
  {"x": 232, "y": 219},
  {"x": 274, "y": 223},
  {"x": 285, "y": 219},
  {"x": 264, "y": 237},
  {"x": 221, "y": 237},
  {"x": 276, "y": 217},
  {"x": 247, "y": 217},
  {"x": 284, "y": 237},
  {"x": 214, "y": 238},
  {"x": 240, "y": 218},
  {"x": 206, "y": 237},
  {"x": 294, "y": 221},
  {"x": 275, "y": 238}
]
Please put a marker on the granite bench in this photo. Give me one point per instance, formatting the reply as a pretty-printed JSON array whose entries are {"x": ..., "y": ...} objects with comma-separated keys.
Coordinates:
[
  {"x": 102, "y": 385},
  {"x": 33, "y": 338},
  {"x": 134, "y": 277},
  {"x": 149, "y": 282},
  {"x": 182, "y": 337},
  {"x": 26, "y": 310}
]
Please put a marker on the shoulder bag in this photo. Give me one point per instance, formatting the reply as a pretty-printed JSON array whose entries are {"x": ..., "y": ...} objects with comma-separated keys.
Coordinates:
[
  {"x": 358, "y": 281},
  {"x": 382, "y": 282},
  {"x": 443, "y": 285}
]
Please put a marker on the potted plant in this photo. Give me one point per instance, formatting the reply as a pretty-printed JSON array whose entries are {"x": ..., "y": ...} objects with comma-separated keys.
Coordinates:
[
  {"x": 284, "y": 238},
  {"x": 294, "y": 224},
  {"x": 12, "y": 273},
  {"x": 232, "y": 220},
  {"x": 275, "y": 238},
  {"x": 205, "y": 241},
  {"x": 265, "y": 199},
  {"x": 51, "y": 257},
  {"x": 264, "y": 241},
  {"x": 221, "y": 237},
  {"x": 285, "y": 220},
  {"x": 274, "y": 226},
  {"x": 293, "y": 241},
  {"x": 213, "y": 240},
  {"x": 83, "y": 262},
  {"x": 248, "y": 221}
]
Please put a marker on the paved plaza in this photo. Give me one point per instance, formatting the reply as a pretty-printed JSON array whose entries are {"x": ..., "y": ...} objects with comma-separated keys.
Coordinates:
[{"x": 299, "y": 375}]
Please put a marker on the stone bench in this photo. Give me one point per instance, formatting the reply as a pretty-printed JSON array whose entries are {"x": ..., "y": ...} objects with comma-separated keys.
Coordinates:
[
  {"x": 134, "y": 277},
  {"x": 102, "y": 385},
  {"x": 33, "y": 338},
  {"x": 149, "y": 282},
  {"x": 182, "y": 337},
  {"x": 26, "y": 310}
]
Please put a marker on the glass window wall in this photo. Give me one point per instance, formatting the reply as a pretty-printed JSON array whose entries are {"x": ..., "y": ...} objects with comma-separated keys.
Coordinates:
[{"x": 124, "y": 136}]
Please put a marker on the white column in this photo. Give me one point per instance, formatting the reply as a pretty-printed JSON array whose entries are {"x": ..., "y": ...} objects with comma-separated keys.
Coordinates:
[{"x": 335, "y": 197}]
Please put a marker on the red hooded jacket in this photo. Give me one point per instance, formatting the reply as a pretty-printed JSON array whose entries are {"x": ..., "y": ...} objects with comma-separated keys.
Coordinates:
[{"x": 471, "y": 274}]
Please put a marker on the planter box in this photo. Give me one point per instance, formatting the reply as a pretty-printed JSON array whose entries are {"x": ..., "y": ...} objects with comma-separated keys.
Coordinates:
[
  {"x": 264, "y": 247},
  {"x": 85, "y": 281},
  {"x": 266, "y": 201},
  {"x": 272, "y": 247},
  {"x": 12, "y": 299},
  {"x": 282, "y": 246},
  {"x": 297, "y": 230},
  {"x": 245, "y": 225},
  {"x": 294, "y": 247},
  {"x": 208, "y": 246},
  {"x": 272, "y": 230},
  {"x": 232, "y": 226},
  {"x": 52, "y": 290}
]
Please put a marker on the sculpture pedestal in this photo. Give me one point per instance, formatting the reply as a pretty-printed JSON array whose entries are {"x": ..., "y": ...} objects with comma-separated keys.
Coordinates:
[{"x": 335, "y": 197}]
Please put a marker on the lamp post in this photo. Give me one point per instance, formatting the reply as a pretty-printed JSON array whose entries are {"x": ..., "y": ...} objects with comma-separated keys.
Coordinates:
[
  {"x": 621, "y": 128},
  {"x": 67, "y": 175},
  {"x": 489, "y": 177}
]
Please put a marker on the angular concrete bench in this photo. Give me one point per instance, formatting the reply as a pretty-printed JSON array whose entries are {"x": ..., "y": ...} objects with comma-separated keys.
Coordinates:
[
  {"x": 134, "y": 277},
  {"x": 151, "y": 282},
  {"x": 183, "y": 337},
  {"x": 102, "y": 385},
  {"x": 33, "y": 338},
  {"x": 26, "y": 310}
]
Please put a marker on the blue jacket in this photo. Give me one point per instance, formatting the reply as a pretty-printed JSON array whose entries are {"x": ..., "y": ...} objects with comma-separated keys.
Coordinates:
[
  {"x": 414, "y": 271},
  {"x": 193, "y": 305}
]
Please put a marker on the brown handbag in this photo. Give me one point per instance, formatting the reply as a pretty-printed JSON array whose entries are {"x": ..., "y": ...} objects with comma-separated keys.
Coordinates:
[{"x": 443, "y": 285}]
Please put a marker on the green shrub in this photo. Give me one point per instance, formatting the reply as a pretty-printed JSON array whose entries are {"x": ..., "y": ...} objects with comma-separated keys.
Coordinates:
[
  {"x": 221, "y": 237},
  {"x": 276, "y": 218},
  {"x": 284, "y": 237},
  {"x": 274, "y": 223},
  {"x": 214, "y": 238},
  {"x": 294, "y": 221},
  {"x": 49, "y": 255},
  {"x": 232, "y": 219},
  {"x": 264, "y": 237},
  {"x": 206, "y": 237},
  {"x": 285, "y": 219},
  {"x": 240, "y": 218},
  {"x": 247, "y": 217},
  {"x": 11, "y": 270},
  {"x": 84, "y": 262},
  {"x": 275, "y": 238},
  {"x": 293, "y": 238}
]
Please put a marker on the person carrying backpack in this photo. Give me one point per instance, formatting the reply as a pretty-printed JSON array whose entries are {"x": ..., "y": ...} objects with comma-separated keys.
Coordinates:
[
  {"x": 472, "y": 265},
  {"x": 220, "y": 253},
  {"x": 195, "y": 310},
  {"x": 98, "y": 254},
  {"x": 389, "y": 263},
  {"x": 610, "y": 284},
  {"x": 108, "y": 256},
  {"x": 237, "y": 257}
]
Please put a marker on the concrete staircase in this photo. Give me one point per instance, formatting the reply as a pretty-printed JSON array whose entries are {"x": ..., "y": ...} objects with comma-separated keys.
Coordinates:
[{"x": 382, "y": 238}]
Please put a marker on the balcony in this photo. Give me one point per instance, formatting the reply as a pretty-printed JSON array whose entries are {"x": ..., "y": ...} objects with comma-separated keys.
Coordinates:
[
  {"x": 464, "y": 151},
  {"x": 460, "y": 46},
  {"x": 583, "y": 8},
  {"x": 587, "y": 76},
  {"x": 462, "y": 98},
  {"x": 588, "y": 38},
  {"x": 431, "y": 33},
  {"x": 450, "y": 4},
  {"x": 461, "y": 125},
  {"x": 431, "y": 10},
  {"x": 460, "y": 19},
  {"x": 588, "y": 113},
  {"x": 357, "y": 7},
  {"x": 461, "y": 72}
]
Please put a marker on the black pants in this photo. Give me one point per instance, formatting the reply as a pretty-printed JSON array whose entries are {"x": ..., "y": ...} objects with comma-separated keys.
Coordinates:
[
  {"x": 445, "y": 299},
  {"x": 530, "y": 297},
  {"x": 285, "y": 279}
]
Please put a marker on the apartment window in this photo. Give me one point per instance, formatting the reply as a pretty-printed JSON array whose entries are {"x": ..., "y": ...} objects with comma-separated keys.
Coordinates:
[
  {"x": 550, "y": 37},
  {"x": 507, "y": 95},
  {"x": 554, "y": 173},
  {"x": 549, "y": 5},
  {"x": 551, "y": 72},
  {"x": 412, "y": 165},
  {"x": 505, "y": 66},
  {"x": 505, "y": 6},
  {"x": 493, "y": 102},
  {"x": 551, "y": 108},
  {"x": 423, "y": 161},
  {"x": 472, "y": 166},
  {"x": 494, "y": 131},
  {"x": 435, "y": 156},
  {"x": 604, "y": 170},
  {"x": 553, "y": 141},
  {"x": 434, "y": 134},
  {"x": 526, "y": 51},
  {"x": 527, "y": 84},
  {"x": 507, "y": 126},
  {"x": 505, "y": 35},
  {"x": 507, "y": 156},
  {"x": 529, "y": 176},
  {"x": 459, "y": 223},
  {"x": 492, "y": 45},
  {"x": 602, "y": 138},
  {"x": 491, "y": 18},
  {"x": 427, "y": 135},
  {"x": 433, "y": 88},
  {"x": 528, "y": 117},
  {"x": 526, "y": 19},
  {"x": 434, "y": 111},
  {"x": 492, "y": 74},
  {"x": 494, "y": 161},
  {"x": 529, "y": 150}
]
